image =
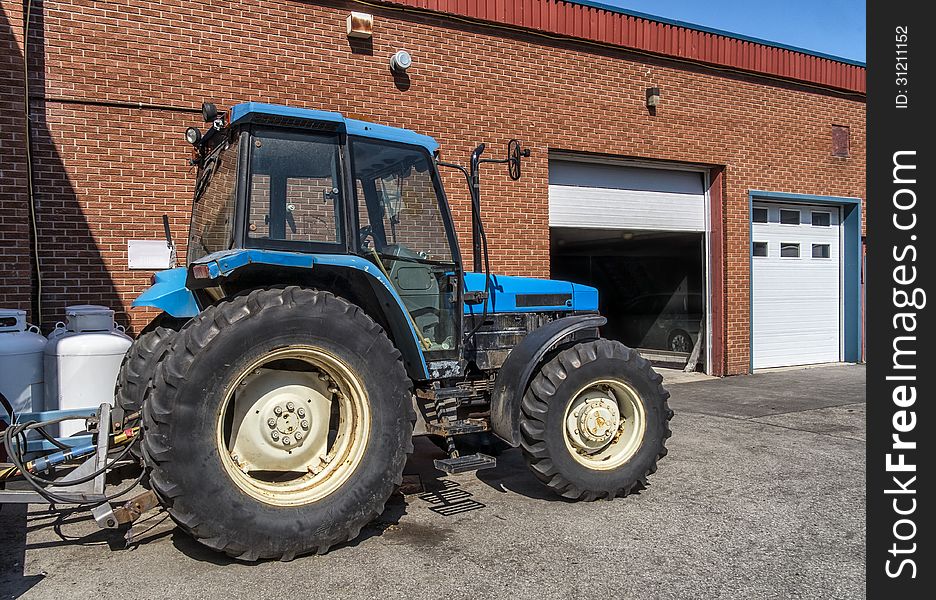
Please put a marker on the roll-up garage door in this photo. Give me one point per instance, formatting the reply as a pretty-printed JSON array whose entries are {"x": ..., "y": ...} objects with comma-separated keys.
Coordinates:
[
  {"x": 594, "y": 195},
  {"x": 795, "y": 293}
]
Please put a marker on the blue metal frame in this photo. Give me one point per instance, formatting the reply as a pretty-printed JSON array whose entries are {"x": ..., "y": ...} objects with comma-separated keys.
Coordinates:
[
  {"x": 240, "y": 112},
  {"x": 34, "y": 443},
  {"x": 851, "y": 266},
  {"x": 737, "y": 36}
]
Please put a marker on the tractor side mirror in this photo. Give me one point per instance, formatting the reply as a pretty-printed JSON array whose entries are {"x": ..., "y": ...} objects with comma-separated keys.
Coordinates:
[{"x": 514, "y": 155}]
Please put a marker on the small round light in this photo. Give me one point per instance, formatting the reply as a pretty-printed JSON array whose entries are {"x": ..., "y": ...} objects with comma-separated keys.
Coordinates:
[
  {"x": 401, "y": 61},
  {"x": 192, "y": 135}
]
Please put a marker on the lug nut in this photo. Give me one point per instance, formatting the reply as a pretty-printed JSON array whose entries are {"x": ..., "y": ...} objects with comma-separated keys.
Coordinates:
[
  {"x": 304, "y": 424},
  {"x": 287, "y": 441},
  {"x": 301, "y": 412},
  {"x": 298, "y": 436},
  {"x": 274, "y": 434},
  {"x": 290, "y": 406},
  {"x": 271, "y": 422},
  {"x": 277, "y": 411}
]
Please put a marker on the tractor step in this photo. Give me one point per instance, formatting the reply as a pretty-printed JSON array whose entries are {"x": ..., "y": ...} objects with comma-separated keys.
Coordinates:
[
  {"x": 459, "y": 427},
  {"x": 468, "y": 462}
]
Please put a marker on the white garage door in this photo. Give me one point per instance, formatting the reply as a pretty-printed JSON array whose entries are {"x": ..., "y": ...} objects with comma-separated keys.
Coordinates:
[
  {"x": 795, "y": 289},
  {"x": 616, "y": 197}
]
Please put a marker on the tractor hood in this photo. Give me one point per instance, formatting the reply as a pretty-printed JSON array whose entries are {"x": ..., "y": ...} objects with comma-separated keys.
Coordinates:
[{"x": 528, "y": 294}]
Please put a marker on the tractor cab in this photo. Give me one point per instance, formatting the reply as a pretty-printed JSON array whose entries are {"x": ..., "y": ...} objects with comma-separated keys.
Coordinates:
[{"x": 285, "y": 180}]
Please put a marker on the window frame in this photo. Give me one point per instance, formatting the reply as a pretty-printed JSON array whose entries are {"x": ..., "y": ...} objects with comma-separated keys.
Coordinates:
[
  {"x": 344, "y": 243},
  {"x": 812, "y": 213},
  {"x": 799, "y": 216},
  {"x": 754, "y": 212},
  {"x": 766, "y": 253},
  {"x": 441, "y": 199},
  {"x": 828, "y": 255},
  {"x": 799, "y": 253},
  {"x": 235, "y": 141}
]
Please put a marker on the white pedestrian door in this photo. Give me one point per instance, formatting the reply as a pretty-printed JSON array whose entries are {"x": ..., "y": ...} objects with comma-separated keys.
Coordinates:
[{"x": 796, "y": 298}]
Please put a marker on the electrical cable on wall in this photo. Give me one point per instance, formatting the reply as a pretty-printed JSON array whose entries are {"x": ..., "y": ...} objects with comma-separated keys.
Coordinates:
[{"x": 36, "y": 303}]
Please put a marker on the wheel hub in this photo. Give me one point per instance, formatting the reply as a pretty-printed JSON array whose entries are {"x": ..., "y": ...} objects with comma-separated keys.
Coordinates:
[
  {"x": 593, "y": 421},
  {"x": 288, "y": 425},
  {"x": 281, "y": 421}
]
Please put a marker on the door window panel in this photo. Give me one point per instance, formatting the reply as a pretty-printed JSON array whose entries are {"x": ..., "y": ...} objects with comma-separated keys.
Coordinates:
[
  {"x": 403, "y": 230},
  {"x": 295, "y": 191}
]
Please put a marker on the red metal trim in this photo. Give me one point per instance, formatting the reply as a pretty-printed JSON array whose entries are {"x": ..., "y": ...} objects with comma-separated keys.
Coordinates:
[{"x": 636, "y": 33}]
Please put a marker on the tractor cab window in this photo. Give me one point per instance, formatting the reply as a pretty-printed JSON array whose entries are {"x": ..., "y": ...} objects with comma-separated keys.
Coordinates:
[
  {"x": 212, "y": 225},
  {"x": 400, "y": 212},
  {"x": 402, "y": 228},
  {"x": 294, "y": 190}
]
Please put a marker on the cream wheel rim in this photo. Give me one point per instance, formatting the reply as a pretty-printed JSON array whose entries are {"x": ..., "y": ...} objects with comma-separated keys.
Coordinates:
[
  {"x": 604, "y": 424},
  {"x": 293, "y": 426}
]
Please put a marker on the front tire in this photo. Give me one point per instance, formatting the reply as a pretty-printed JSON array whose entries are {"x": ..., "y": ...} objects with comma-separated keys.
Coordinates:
[
  {"x": 594, "y": 421},
  {"x": 680, "y": 341},
  {"x": 229, "y": 395}
]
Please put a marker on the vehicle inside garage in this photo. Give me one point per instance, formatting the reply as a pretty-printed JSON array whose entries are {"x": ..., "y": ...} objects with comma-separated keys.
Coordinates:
[{"x": 651, "y": 285}]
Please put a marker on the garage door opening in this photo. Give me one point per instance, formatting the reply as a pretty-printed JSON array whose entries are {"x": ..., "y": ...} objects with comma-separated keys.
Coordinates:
[
  {"x": 651, "y": 286},
  {"x": 636, "y": 231}
]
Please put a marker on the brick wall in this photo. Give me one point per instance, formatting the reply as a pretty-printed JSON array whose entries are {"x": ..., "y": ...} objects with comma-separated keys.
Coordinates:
[
  {"x": 106, "y": 174},
  {"x": 14, "y": 217}
]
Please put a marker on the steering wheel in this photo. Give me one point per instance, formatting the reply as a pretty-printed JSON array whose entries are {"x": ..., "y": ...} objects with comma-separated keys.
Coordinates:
[{"x": 363, "y": 233}]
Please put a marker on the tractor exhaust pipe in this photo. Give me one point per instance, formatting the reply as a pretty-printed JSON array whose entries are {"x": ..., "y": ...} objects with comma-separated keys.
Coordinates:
[{"x": 476, "y": 213}]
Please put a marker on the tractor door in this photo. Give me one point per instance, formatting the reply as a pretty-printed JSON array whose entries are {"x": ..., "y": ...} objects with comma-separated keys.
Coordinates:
[{"x": 405, "y": 228}]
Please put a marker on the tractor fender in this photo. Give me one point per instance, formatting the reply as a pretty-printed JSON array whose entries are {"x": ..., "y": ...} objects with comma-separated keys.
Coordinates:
[
  {"x": 517, "y": 371},
  {"x": 169, "y": 294}
]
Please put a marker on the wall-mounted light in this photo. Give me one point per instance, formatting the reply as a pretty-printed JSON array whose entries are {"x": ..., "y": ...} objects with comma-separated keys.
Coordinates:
[
  {"x": 400, "y": 61},
  {"x": 360, "y": 25},
  {"x": 653, "y": 97}
]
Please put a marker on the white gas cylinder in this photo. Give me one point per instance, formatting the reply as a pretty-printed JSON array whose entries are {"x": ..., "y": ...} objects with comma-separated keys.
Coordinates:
[
  {"x": 82, "y": 360},
  {"x": 21, "y": 363}
]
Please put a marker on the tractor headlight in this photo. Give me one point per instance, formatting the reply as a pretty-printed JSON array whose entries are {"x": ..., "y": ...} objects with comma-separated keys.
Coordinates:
[{"x": 192, "y": 135}]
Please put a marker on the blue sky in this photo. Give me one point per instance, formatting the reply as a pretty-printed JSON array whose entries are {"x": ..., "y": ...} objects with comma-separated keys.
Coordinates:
[{"x": 830, "y": 26}]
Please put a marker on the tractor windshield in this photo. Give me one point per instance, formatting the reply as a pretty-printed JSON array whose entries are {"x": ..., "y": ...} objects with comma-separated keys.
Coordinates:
[{"x": 212, "y": 227}]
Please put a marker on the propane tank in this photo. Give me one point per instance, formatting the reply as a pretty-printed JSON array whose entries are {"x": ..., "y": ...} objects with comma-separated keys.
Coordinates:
[
  {"x": 82, "y": 360},
  {"x": 21, "y": 366}
]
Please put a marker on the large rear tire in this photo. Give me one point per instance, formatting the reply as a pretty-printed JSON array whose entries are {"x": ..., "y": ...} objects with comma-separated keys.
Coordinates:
[
  {"x": 137, "y": 370},
  {"x": 139, "y": 366},
  {"x": 246, "y": 376},
  {"x": 594, "y": 421}
]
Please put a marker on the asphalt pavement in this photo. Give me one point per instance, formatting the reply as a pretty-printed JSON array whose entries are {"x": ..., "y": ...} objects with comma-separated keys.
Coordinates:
[{"x": 761, "y": 496}]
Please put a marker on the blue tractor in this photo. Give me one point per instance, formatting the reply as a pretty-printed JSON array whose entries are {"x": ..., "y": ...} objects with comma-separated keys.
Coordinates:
[{"x": 325, "y": 318}]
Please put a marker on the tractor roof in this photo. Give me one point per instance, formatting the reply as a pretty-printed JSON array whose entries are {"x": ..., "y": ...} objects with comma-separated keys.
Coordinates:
[{"x": 293, "y": 116}]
